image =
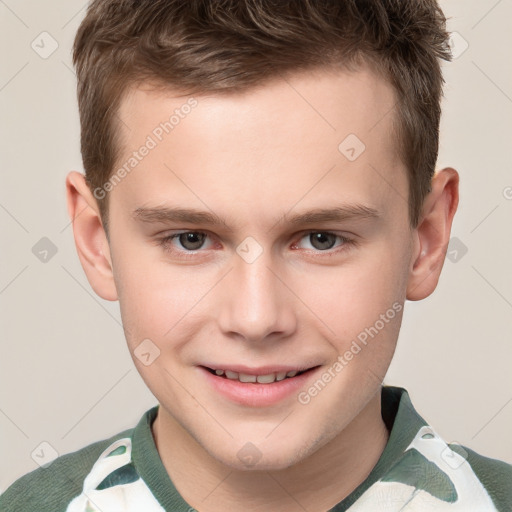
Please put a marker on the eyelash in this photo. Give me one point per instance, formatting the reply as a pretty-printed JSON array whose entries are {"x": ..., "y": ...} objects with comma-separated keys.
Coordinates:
[{"x": 346, "y": 243}]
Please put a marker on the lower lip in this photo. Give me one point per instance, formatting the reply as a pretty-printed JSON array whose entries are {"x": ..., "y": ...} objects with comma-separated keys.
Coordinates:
[{"x": 254, "y": 394}]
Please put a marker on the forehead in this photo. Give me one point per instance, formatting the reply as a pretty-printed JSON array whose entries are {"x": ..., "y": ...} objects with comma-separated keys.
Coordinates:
[{"x": 331, "y": 131}]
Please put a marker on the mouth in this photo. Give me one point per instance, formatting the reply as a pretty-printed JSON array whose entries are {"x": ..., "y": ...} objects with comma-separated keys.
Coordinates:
[
  {"x": 268, "y": 378},
  {"x": 262, "y": 387}
]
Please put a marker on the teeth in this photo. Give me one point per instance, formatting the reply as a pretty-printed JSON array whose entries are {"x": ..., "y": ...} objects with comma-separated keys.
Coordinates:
[
  {"x": 266, "y": 379},
  {"x": 262, "y": 379},
  {"x": 244, "y": 377}
]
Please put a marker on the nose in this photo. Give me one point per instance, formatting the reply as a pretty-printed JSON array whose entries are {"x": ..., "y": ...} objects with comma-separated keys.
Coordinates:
[{"x": 256, "y": 303}]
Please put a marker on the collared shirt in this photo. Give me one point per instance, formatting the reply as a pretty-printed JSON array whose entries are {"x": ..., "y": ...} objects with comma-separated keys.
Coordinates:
[{"x": 416, "y": 472}]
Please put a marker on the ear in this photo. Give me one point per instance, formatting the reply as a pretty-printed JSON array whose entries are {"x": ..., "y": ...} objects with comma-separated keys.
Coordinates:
[
  {"x": 90, "y": 237},
  {"x": 432, "y": 234}
]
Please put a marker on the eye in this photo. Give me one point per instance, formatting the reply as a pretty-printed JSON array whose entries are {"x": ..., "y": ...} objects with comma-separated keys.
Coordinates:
[
  {"x": 188, "y": 241},
  {"x": 323, "y": 241}
]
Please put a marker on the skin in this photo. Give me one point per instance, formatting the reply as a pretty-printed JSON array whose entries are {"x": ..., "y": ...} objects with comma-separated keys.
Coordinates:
[{"x": 256, "y": 159}]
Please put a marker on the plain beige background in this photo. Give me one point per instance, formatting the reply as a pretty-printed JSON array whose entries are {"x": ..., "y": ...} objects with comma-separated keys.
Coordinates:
[{"x": 66, "y": 378}]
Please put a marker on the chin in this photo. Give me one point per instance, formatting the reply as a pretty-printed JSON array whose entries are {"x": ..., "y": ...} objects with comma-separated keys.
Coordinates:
[
  {"x": 265, "y": 456},
  {"x": 274, "y": 463}
]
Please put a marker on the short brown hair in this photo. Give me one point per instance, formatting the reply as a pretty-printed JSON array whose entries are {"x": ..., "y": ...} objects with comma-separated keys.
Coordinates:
[{"x": 227, "y": 46}]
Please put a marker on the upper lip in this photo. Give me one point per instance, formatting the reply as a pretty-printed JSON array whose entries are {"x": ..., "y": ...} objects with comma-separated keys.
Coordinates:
[{"x": 260, "y": 370}]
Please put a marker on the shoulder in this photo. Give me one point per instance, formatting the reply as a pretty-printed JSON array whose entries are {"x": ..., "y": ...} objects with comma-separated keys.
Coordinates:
[
  {"x": 445, "y": 476},
  {"x": 495, "y": 475},
  {"x": 51, "y": 488}
]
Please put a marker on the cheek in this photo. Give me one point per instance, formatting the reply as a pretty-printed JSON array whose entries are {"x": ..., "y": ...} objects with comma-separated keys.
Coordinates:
[
  {"x": 359, "y": 309},
  {"x": 157, "y": 300},
  {"x": 355, "y": 294}
]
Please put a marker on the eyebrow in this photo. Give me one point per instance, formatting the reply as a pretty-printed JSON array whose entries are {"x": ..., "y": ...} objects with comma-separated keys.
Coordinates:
[
  {"x": 337, "y": 214},
  {"x": 194, "y": 216},
  {"x": 175, "y": 214}
]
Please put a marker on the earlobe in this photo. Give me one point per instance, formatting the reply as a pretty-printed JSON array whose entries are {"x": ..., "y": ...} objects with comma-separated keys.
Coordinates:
[
  {"x": 432, "y": 234},
  {"x": 90, "y": 237}
]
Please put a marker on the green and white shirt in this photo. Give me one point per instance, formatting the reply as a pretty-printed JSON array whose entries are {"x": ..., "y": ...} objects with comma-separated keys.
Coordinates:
[{"x": 416, "y": 472}]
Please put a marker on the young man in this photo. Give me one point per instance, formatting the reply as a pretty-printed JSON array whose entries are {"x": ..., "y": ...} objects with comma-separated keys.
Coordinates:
[{"x": 260, "y": 197}]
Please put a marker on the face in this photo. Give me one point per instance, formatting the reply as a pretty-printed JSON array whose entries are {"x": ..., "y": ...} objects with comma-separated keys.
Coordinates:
[{"x": 260, "y": 234}]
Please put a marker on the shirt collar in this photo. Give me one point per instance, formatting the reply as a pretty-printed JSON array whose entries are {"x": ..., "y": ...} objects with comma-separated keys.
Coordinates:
[{"x": 398, "y": 414}]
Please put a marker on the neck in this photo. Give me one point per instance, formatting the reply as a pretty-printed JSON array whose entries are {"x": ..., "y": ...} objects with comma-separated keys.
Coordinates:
[{"x": 317, "y": 483}]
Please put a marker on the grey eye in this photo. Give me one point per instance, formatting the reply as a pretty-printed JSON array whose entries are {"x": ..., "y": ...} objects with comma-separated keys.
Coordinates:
[
  {"x": 192, "y": 241},
  {"x": 322, "y": 241}
]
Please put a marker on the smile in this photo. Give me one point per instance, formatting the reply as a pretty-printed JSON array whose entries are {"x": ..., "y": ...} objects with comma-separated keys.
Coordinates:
[
  {"x": 260, "y": 379},
  {"x": 262, "y": 387}
]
